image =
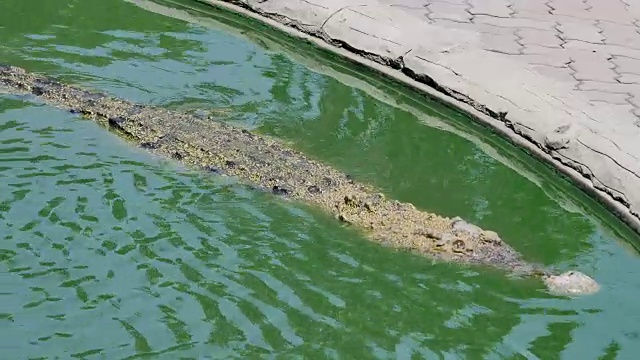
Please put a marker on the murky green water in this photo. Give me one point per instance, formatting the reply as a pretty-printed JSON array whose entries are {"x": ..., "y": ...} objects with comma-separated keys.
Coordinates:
[{"x": 108, "y": 252}]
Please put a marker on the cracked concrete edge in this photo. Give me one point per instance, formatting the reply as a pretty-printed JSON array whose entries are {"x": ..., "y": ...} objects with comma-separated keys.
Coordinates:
[{"x": 437, "y": 92}]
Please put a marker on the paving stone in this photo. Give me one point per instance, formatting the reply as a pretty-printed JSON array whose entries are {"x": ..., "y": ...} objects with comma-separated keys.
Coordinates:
[
  {"x": 634, "y": 100},
  {"x": 636, "y": 112},
  {"x": 498, "y": 8},
  {"x": 610, "y": 87},
  {"x": 539, "y": 37},
  {"x": 513, "y": 22},
  {"x": 610, "y": 10},
  {"x": 547, "y": 56},
  {"x": 629, "y": 79},
  {"x": 613, "y": 11},
  {"x": 452, "y": 24},
  {"x": 557, "y": 73},
  {"x": 606, "y": 97},
  {"x": 416, "y": 8},
  {"x": 449, "y": 11},
  {"x": 407, "y": 4},
  {"x": 542, "y": 16},
  {"x": 493, "y": 30},
  {"x": 626, "y": 64},
  {"x": 455, "y": 2},
  {"x": 587, "y": 54},
  {"x": 469, "y": 26},
  {"x": 633, "y": 7},
  {"x": 583, "y": 30},
  {"x": 506, "y": 44},
  {"x": 624, "y": 35},
  {"x": 615, "y": 50},
  {"x": 622, "y": 118},
  {"x": 568, "y": 7},
  {"x": 593, "y": 68},
  {"x": 534, "y": 6},
  {"x": 593, "y": 72}
]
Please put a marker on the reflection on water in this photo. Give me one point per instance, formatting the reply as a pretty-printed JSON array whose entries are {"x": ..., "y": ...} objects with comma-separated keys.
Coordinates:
[{"x": 109, "y": 251}]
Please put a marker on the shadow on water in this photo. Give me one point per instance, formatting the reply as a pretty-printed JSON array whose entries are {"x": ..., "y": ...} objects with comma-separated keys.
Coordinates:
[{"x": 109, "y": 251}]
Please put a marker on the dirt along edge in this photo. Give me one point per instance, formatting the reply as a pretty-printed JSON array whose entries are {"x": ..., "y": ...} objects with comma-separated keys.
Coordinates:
[
  {"x": 431, "y": 90},
  {"x": 219, "y": 148}
]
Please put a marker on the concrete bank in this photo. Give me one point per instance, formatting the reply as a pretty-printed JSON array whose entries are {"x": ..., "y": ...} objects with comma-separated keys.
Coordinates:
[{"x": 455, "y": 53}]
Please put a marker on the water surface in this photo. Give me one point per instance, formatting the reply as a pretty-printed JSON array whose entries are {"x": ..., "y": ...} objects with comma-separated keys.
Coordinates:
[{"x": 108, "y": 252}]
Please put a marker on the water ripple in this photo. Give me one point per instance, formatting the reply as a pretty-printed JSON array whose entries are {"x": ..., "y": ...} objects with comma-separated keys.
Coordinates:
[
  {"x": 107, "y": 252},
  {"x": 153, "y": 255}
]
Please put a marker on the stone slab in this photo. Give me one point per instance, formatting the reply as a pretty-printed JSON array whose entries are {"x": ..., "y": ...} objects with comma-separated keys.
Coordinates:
[{"x": 559, "y": 76}]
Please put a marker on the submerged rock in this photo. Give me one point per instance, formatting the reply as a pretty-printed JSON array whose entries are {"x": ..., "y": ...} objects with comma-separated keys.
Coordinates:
[{"x": 571, "y": 283}]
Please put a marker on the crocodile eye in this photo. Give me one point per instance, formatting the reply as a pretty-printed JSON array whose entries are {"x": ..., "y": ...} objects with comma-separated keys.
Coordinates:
[{"x": 459, "y": 245}]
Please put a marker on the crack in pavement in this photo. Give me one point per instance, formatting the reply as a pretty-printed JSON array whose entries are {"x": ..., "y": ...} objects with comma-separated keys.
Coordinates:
[
  {"x": 332, "y": 15},
  {"x": 567, "y": 161},
  {"x": 613, "y": 143},
  {"x": 438, "y": 64},
  {"x": 373, "y": 36},
  {"x": 314, "y": 4},
  {"x": 609, "y": 157},
  {"x": 359, "y": 13}
]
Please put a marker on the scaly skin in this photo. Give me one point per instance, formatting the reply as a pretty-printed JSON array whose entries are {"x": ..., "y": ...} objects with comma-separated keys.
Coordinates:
[{"x": 265, "y": 163}]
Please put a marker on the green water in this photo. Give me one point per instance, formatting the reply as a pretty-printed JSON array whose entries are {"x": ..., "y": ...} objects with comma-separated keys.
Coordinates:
[{"x": 108, "y": 252}]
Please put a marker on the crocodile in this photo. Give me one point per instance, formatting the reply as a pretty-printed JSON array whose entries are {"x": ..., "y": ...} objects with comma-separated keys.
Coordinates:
[{"x": 268, "y": 164}]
